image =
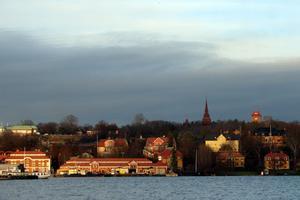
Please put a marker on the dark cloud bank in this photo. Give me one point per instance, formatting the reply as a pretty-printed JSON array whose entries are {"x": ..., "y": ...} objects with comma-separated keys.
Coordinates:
[{"x": 163, "y": 80}]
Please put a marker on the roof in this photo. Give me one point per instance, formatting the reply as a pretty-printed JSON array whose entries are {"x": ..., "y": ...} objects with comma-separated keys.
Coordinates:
[
  {"x": 110, "y": 159},
  {"x": 23, "y": 127},
  {"x": 263, "y": 131},
  {"x": 119, "y": 142},
  {"x": 22, "y": 157},
  {"x": 274, "y": 155},
  {"x": 2, "y": 157},
  {"x": 109, "y": 162},
  {"x": 27, "y": 152},
  {"x": 151, "y": 140},
  {"x": 228, "y": 136},
  {"x": 167, "y": 153}
]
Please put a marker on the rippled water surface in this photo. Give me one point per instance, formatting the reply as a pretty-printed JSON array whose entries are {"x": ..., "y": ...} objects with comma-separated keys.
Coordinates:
[{"x": 164, "y": 188}]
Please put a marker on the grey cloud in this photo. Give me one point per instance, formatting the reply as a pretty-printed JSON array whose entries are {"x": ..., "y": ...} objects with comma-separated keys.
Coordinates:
[{"x": 164, "y": 80}]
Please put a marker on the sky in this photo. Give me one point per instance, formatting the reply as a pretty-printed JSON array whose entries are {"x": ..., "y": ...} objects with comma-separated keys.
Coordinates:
[{"x": 109, "y": 60}]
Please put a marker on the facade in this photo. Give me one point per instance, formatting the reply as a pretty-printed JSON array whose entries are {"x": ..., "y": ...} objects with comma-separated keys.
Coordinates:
[
  {"x": 256, "y": 117},
  {"x": 8, "y": 169},
  {"x": 155, "y": 146},
  {"x": 23, "y": 130},
  {"x": 166, "y": 156},
  {"x": 230, "y": 159},
  {"x": 112, "y": 147},
  {"x": 115, "y": 166},
  {"x": 2, "y": 129},
  {"x": 216, "y": 141},
  {"x": 271, "y": 136},
  {"x": 33, "y": 161},
  {"x": 276, "y": 161},
  {"x": 206, "y": 120}
]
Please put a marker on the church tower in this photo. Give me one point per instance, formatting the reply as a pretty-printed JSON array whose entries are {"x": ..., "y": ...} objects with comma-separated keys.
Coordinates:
[{"x": 206, "y": 121}]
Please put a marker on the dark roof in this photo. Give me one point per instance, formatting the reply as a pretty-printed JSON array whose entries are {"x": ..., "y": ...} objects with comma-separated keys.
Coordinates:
[
  {"x": 262, "y": 131},
  {"x": 228, "y": 136}
]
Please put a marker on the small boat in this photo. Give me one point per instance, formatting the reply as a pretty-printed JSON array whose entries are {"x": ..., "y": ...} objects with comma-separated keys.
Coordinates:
[{"x": 43, "y": 176}]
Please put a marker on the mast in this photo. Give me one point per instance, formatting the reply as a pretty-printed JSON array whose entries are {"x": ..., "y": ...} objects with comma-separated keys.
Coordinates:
[
  {"x": 196, "y": 161},
  {"x": 97, "y": 145}
]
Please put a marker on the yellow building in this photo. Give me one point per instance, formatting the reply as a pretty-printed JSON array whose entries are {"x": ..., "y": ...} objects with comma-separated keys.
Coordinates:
[
  {"x": 23, "y": 129},
  {"x": 276, "y": 161},
  {"x": 230, "y": 159},
  {"x": 114, "y": 166},
  {"x": 216, "y": 141},
  {"x": 33, "y": 161}
]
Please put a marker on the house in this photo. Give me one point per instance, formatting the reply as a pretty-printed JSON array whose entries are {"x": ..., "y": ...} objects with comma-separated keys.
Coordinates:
[
  {"x": 112, "y": 147},
  {"x": 230, "y": 159},
  {"x": 166, "y": 156},
  {"x": 33, "y": 161},
  {"x": 276, "y": 161},
  {"x": 270, "y": 136},
  {"x": 23, "y": 129},
  {"x": 121, "y": 166},
  {"x": 217, "y": 140},
  {"x": 155, "y": 146}
]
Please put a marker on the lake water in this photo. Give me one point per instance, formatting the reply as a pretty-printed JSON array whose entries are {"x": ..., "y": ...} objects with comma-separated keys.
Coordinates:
[{"x": 154, "y": 188}]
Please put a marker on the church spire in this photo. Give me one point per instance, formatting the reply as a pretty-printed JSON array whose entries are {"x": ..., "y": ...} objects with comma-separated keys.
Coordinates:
[{"x": 206, "y": 121}]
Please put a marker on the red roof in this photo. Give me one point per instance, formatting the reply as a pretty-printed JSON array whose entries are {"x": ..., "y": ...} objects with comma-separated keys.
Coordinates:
[
  {"x": 22, "y": 157},
  {"x": 2, "y": 157},
  {"x": 274, "y": 155},
  {"x": 110, "y": 159},
  {"x": 151, "y": 140},
  {"x": 111, "y": 164},
  {"x": 168, "y": 152},
  {"x": 27, "y": 152}
]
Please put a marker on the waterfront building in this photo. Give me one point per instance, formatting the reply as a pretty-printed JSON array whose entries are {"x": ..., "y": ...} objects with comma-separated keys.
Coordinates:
[
  {"x": 112, "y": 147},
  {"x": 8, "y": 169},
  {"x": 216, "y": 141},
  {"x": 22, "y": 129},
  {"x": 33, "y": 161},
  {"x": 206, "y": 120},
  {"x": 166, "y": 157},
  {"x": 271, "y": 137},
  {"x": 230, "y": 159},
  {"x": 155, "y": 146},
  {"x": 122, "y": 166},
  {"x": 276, "y": 161}
]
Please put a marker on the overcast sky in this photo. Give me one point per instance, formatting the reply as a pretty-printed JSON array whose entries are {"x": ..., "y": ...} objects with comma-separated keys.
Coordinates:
[{"x": 108, "y": 60}]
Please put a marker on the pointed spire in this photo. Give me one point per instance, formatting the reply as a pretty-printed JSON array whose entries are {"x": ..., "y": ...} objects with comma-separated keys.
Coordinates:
[{"x": 206, "y": 121}]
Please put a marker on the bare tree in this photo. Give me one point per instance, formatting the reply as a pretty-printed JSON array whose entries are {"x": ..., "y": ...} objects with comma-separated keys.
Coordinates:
[{"x": 293, "y": 141}]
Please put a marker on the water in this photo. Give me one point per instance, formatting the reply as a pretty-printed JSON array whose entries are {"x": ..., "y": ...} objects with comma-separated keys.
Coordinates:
[{"x": 154, "y": 188}]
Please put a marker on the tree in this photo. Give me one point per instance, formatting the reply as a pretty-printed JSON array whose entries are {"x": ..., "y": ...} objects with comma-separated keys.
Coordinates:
[
  {"x": 187, "y": 143},
  {"x": 173, "y": 161},
  {"x": 139, "y": 119},
  {"x": 206, "y": 159},
  {"x": 252, "y": 149},
  {"x": 69, "y": 125},
  {"x": 293, "y": 141},
  {"x": 49, "y": 128}
]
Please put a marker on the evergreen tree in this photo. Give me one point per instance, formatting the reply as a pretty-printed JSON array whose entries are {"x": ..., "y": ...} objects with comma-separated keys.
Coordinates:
[{"x": 173, "y": 162}]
